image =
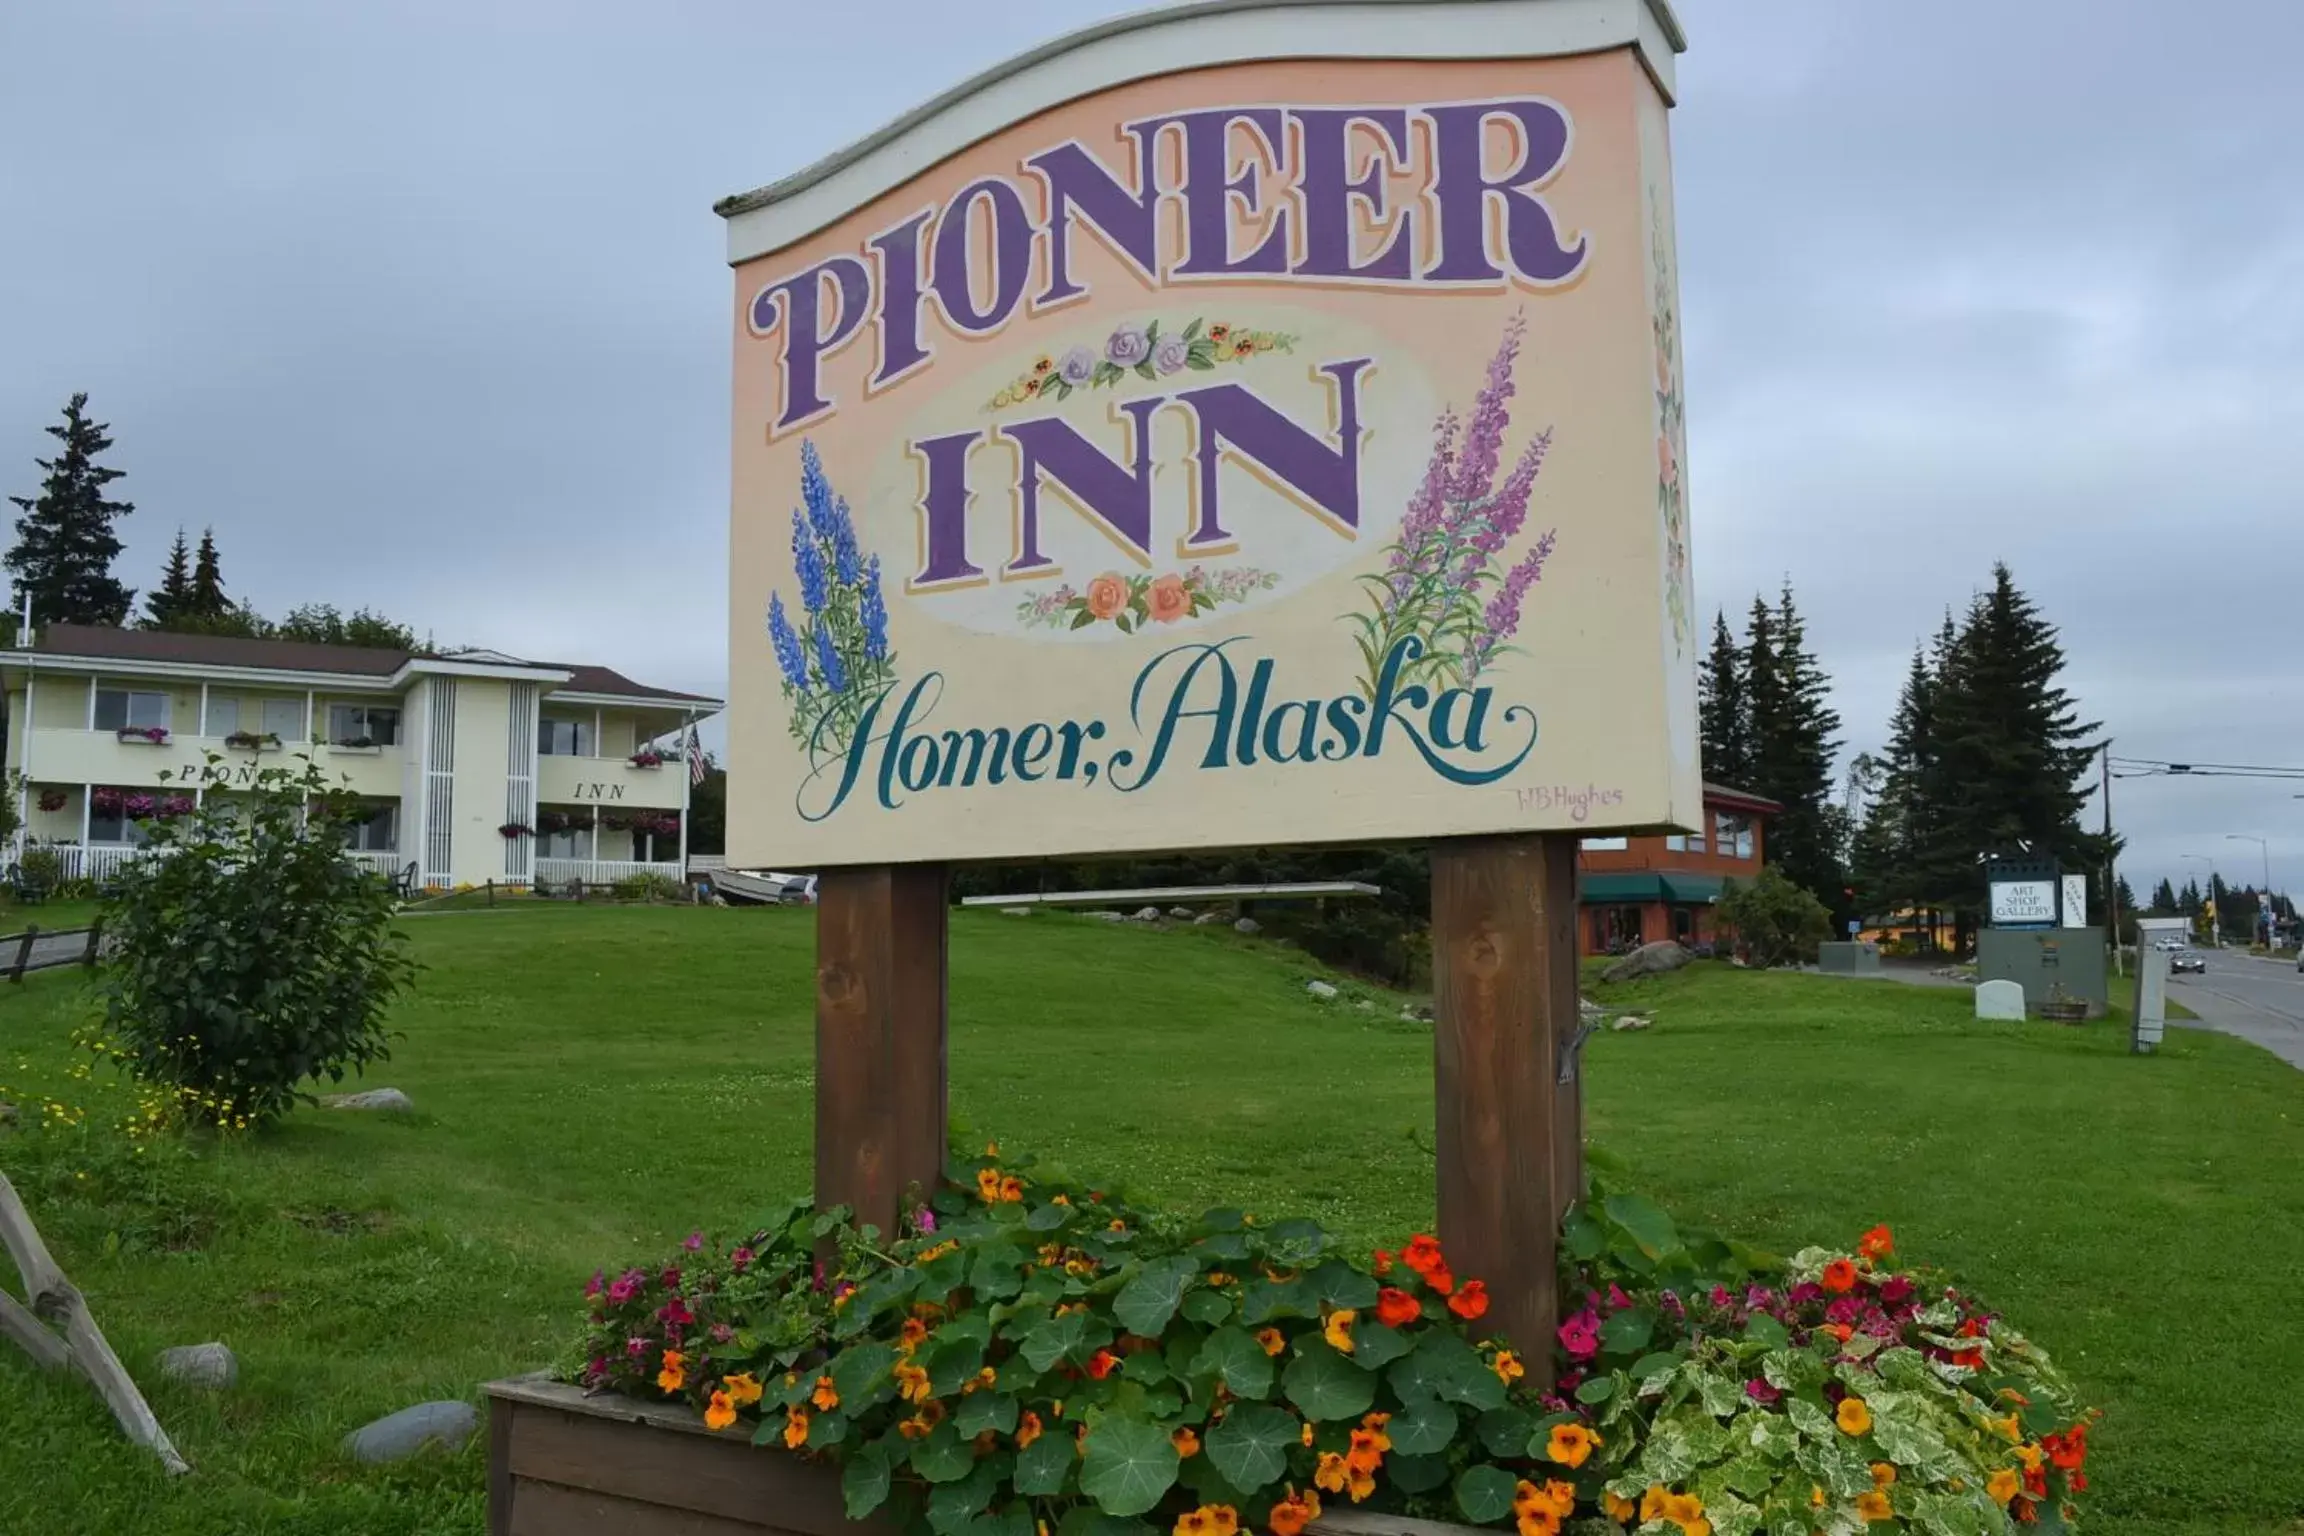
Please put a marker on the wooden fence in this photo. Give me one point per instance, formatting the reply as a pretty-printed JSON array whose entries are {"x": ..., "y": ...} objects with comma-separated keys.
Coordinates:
[{"x": 34, "y": 950}]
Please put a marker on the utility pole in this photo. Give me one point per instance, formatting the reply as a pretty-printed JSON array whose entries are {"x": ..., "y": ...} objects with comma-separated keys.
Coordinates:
[{"x": 2111, "y": 884}]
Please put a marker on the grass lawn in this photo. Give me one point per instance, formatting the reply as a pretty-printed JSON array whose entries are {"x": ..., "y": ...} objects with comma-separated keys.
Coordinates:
[
  {"x": 594, "y": 1083},
  {"x": 47, "y": 916}
]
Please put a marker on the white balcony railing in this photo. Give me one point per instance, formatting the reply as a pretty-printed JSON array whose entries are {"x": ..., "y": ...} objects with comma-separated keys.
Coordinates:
[
  {"x": 603, "y": 871},
  {"x": 102, "y": 861}
]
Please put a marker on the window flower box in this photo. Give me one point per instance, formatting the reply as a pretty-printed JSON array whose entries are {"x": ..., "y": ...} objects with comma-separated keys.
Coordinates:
[
  {"x": 647, "y": 757},
  {"x": 253, "y": 741},
  {"x": 144, "y": 735},
  {"x": 356, "y": 746}
]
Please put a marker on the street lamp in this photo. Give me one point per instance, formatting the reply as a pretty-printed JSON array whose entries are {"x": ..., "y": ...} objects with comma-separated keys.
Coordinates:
[{"x": 2216, "y": 921}]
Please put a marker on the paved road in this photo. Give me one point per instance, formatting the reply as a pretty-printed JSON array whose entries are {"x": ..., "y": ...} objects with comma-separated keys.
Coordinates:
[{"x": 2259, "y": 1000}]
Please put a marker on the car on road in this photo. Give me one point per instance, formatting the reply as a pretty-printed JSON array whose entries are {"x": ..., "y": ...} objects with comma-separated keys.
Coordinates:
[
  {"x": 2168, "y": 945},
  {"x": 2188, "y": 960}
]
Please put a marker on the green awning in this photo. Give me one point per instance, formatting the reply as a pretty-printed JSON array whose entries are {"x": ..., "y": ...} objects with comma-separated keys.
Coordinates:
[{"x": 1638, "y": 887}]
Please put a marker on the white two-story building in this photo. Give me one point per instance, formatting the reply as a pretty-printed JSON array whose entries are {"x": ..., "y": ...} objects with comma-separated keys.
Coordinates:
[{"x": 478, "y": 766}]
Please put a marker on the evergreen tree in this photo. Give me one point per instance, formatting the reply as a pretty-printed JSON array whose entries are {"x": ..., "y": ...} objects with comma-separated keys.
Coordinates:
[
  {"x": 168, "y": 601},
  {"x": 1794, "y": 740},
  {"x": 2164, "y": 899},
  {"x": 2125, "y": 896},
  {"x": 1725, "y": 710},
  {"x": 1892, "y": 842},
  {"x": 2188, "y": 901},
  {"x": 65, "y": 544},
  {"x": 208, "y": 600}
]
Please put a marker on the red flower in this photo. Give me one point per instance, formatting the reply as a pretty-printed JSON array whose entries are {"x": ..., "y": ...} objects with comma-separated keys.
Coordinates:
[
  {"x": 1440, "y": 1278},
  {"x": 1395, "y": 1308},
  {"x": 1383, "y": 1261},
  {"x": 1470, "y": 1302},
  {"x": 1422, "y": 1254},
  {"x": 1102, "y": 1364},
  {"x": 2036, "y": 1482},
  {"x": 2068, "y": 1451},
  {"x": 1839, "y": 1277},
  {"x": 1876, "y": 1244}
]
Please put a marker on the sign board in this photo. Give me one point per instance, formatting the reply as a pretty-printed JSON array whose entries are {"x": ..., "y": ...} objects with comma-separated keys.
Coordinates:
[
  {"x": 2075, "y": 901},
  {"x": 1854, "y": 927},
  {"x": 1165, "y": 442},
  {"x": 2023, "y": 903}
]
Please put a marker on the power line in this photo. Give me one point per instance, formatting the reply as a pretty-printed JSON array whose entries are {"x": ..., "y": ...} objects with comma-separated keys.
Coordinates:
[{"x": 2157, "y": 768}]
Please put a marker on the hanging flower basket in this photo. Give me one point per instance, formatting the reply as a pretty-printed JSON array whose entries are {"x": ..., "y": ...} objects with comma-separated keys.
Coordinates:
[
  {"x": 512, "y": 829},
  {"x": 647, "y": 757},
  {"x": 53, "y": 800}
]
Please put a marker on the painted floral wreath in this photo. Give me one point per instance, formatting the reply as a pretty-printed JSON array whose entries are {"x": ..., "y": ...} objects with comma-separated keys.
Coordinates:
[
  {"x": 1143, "y": 350},
  {"x": 1128, "y": 603}
]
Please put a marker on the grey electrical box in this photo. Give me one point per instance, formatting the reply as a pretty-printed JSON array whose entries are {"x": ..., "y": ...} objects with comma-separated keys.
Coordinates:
[{"x": 2048, "y": 963}]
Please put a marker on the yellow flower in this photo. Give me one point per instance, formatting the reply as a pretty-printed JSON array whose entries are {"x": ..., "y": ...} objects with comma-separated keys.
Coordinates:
[
  {"x": 1874, "y": 1506},
  {"x": 721, "y": 1413},
  {"x": 826, "y": 1396},
  {"x": 1331, "y": 1474},
  {"x": 1617, "y": 1509},
  {"x": 911, "y": 1382},
  {"x": 1652, "y": 1503},
  {"x": 1339, "y": 1330},
  {"x": 1571, "y": 1444},
  {"x": 1307, "y": 1435},
  {"x": 1507, "y": 1367},
  {"x": 674, "y": 1376},
  {"x": 1854, "y": 1418},
  {"x": 2009, "y": 1429},
  {"x": 2031, "y": 1456},
  {"x": 1883, "y": 1473},
  {"x": 2003, "y": 1485},
  {"x": 795, "y": 1427},
  {"x": 742, "y": 1389}
]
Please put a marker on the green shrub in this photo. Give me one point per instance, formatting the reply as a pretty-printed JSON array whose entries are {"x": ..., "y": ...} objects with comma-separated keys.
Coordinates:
[
  {"x": 1777, "y": 922},
  {"x": 646, "y": 887},
  {"x": 254, "y": 956},
  {"x": 42, "y": 867}
]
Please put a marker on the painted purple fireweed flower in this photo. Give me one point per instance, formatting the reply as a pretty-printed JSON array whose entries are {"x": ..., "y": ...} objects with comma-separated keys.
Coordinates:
[
  {"x": 808, "y": 565},
  {"x": 1509, "y": 508},
  {"x": 830, "y": 670},
  {"x": 1430, "y": 503},
  {"x": 1127, "y": 346},
  {"x": 1501, "y": 618},
  {"x": 1491, "y": 414},
  {"x": 791, "y": 660},
  {"x": 873, "y": 613}
]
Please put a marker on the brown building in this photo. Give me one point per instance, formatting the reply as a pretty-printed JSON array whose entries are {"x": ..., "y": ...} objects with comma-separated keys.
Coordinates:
[{"x": 1639, "y": 890}]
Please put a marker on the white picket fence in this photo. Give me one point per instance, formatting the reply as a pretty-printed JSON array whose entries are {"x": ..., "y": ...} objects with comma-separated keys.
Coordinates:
[
  {"x": 102, "y": 861},
  {"x": 604, "y": 871}
]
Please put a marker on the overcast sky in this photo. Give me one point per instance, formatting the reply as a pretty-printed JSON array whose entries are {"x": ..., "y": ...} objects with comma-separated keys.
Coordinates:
[{"x": 363, "y": 285}]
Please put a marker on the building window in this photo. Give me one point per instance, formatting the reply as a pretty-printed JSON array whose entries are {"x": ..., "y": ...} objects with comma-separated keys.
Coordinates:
[
  {"x": 1685, "y": 842},
  {"x": 363, "y": 725},
  {"x": 223, "y": 717},
  {"x": 113, "y": 826},
  {"x": 120, "y": 709},
  {"x": 380, "y": 833},
  {"x": 1605, "y": 844},
  {"x": 1732, "y": 835},
  {"x": 565, "y": 738},
  {"x": 576, "y": 843},
  {"x": 284, "y": 718}
]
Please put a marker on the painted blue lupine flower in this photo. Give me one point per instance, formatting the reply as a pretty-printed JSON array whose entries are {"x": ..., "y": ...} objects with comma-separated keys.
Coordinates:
[
  {"x": 847, "y": 564},
  {"x": 815, "y": 490},
  {"x": 791, "y": 660},
  {"x": 874, "y": 613},
  {"x": 830, "y": 670},
  {"x": 808, "y": 562}
]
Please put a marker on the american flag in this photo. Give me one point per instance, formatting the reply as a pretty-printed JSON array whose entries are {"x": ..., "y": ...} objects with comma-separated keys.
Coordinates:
[{"x": 697, "y": 770}]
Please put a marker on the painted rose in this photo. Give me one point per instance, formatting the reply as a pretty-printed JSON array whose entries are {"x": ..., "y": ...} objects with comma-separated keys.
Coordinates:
[
  {"x": 1168, "y": 599},
  {"x": 1667, "y": 465},
  {"x": 1078, "y": 367},
  {"x": 1127, "y": 346},
  {"x": 1170, "y": 354},
  {"x": 1107, "y": 595}
]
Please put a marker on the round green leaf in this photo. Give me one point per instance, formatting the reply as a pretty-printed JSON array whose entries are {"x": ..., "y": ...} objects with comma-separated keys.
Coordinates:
[
  {"x": 1325, "y": 1385},
  {"x": 1206, "y": 1305},
  {"x": 1598, "y": 1390},
  {"x": 1416, "y": 1474},
  {"x": 1627, "y": 1333},
  {"x": 1375, "y": 1346},
  {"x": 943, "y": 1457},
  {"x": 1250, "y": 1448},
  {"x": 827, "y": 1429},
  {"x": 1422, "y": 1427},
  {"x": 1129, "y": 1465},
  {"x": 1043, "y": 1466},
  {"x": 858, "y": 1370},
  {"x": 1484, "y": 1494},
  {"x": 1234, "y": 1356},
  {"x": 1505, "y": 1431},
  {"x": 864, "y": 1481},
  {"x": 980, "y": 1411},
  {"x": 1145, "y": 1303}
]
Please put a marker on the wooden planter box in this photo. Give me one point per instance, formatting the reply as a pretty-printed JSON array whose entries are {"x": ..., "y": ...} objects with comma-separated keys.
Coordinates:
[{"x": 561, "y": 1463}]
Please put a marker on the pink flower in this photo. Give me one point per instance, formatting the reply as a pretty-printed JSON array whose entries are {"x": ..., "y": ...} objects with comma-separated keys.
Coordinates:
[
  {"x": 675, "y": 1314},
  {"x": 819, "y": 1274},
  {"x": 634, "y": 1348},
  {"x": 626, "y": 1286},
  {"x": 671, "y": 1278},
  {"x": 1846, "y": 1310},
  {"x": 1617, "y": 1300},
  {"x": 1896, "y": 1290},
  {"x": 1762, "y": 1393},
  {"x": 722, "y": 1333},
  {"x": 741, "y": 1259},
  {"x": 1580, "y": 1335},
  {"x": 1804, "y": 1293},
  {"x": 695, "y": 1243},
  {"x": 595, "y": 1285},
  {"x": 926, "y": 1220},
  {"x": 1720, "y": 1297}
]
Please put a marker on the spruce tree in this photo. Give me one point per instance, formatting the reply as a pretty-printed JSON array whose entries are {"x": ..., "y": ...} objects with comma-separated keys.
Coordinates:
[
  {"x": 2188, "y": 900},
  {"x": 1900, "y": 827},
  {"x": 65, "y": 544},
  {"x": 1794, "y": 740},
  {"x": 168, "y": 601},
  {"x": 2125, "y": 896},
  {"x": 2164, "y": 898},
  {"x": 208, "y": 600},
  {"x": 1725, "y": 710}
]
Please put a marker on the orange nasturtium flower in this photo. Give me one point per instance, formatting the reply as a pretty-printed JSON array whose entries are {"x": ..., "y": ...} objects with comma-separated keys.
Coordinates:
[
  {"x": 1102, "y": 1364},
  {"x": 826, "y": 1396},
  {"x": 1027, "y": 1428},
  {"x": 1331, "y": 1473},
  {"x": 1883, "y": 1473},
  {"x": 1011, "y": 1190},
  {"x": 1383, "y": 1263},
  {"x": 1290, "y": 1515},
  {"x": 1272, "y": 1340},
  {"x": 1874, "y": 1506},
  {"x": 1507, "y": 1367},
  {"x": 721, "y": 1413},
  {"x": 1395, "y": 1308},
  {"x": 1853, "y": 1417},
  {"x": 1307, "y": 1435},
  {"x": 1877, "y": 1243},
  {"x": 2002, "y": 1485},
  {"x": 795, "y": 1427},
  {"x": 1652, "y": 1503},
  {"x": 914, "y": 1334},
  {"x": 674, "y": 1376},
  {"x": 1471, "y": 1302},
  {"x": 988, "y": 1185},
  {"x": 911, "y": 1382},
  {"x": 1839, "y": 1277},
  {"x": 1186, "y": 1442},
  {"x": 743, "y": 1389},
  {"x": 1571, "y": 1444},
  {"x": 1422, "y": 1253},
  {"x": 1620, "y": 1510},
  {"x": 1339, "y": 1330}
]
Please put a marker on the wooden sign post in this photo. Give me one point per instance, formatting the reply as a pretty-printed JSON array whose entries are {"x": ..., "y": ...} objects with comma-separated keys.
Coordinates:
[{"x": 1171, "y": 440}]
